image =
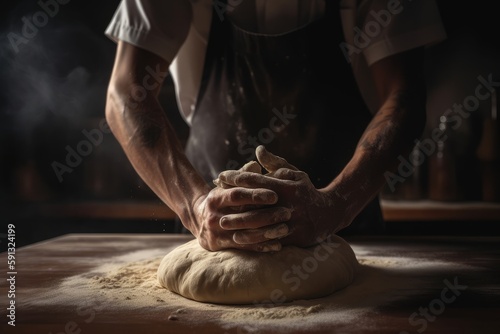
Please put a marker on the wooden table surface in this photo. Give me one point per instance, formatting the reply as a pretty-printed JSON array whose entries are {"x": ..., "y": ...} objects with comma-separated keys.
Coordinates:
[{"x": 453, "y": 282}]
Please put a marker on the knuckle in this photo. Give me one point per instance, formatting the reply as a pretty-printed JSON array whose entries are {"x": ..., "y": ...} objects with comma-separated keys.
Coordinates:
[
  {"x": 291, "y": 175},
  {"x": 235, "y": 195},
  {"x": 212, "y": 200},
  {"x": 283, "y": 173},
  {"x": 246, "y": 178},
  {"x": 213, "y": 218},
  {"x": 231, "y": 176},
  {"x": 259, "y": 195},
  {"x": 255, "y": 196},
  {"x": 239, "y": 178},
  {"x": 266, "y": 196}
]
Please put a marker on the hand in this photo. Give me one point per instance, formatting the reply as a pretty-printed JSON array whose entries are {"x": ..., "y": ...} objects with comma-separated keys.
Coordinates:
[
  {"x": 241, "y": 218},
  {"x": 315, "y": 213}
]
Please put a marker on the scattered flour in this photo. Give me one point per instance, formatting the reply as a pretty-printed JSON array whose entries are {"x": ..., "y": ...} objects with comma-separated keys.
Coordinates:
[
  {"x": 128, "y": 282},
  {"x": 136, "y": 275}
]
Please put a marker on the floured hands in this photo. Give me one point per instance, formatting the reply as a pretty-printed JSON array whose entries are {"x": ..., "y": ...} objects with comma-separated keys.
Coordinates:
[
  {"x": 315, "y": 213},
  {"x": 241, "y": 218}
]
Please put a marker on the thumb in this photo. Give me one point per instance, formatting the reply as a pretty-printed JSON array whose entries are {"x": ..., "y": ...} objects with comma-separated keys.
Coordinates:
[{"x": 270, "y": 161}]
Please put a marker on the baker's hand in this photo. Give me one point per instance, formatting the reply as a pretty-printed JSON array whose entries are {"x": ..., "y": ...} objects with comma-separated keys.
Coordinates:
[
  {"x": 241, "y": 218},
  {"x": 315, "y": 212}
]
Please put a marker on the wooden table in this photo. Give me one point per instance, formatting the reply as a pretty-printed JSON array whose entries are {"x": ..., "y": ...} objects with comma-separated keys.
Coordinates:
[{"x": 400, "y": 277}]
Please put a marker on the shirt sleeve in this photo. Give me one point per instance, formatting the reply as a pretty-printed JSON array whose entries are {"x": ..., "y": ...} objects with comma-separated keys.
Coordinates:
[
  {"x": 376, "y": 29},
  {"x": 157, "y": 26},
  {"x": 396, "y": 26}
]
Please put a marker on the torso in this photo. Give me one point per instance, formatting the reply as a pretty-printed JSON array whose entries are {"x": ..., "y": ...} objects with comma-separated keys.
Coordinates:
[{"x": 252, "y": 81}]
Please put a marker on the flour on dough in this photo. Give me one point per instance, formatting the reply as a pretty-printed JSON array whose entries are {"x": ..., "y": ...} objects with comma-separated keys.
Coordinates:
[{"x": 239, "y": 277}]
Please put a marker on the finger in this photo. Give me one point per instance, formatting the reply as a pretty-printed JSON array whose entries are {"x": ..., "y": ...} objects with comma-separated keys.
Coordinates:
[
  {"x": 252, "y": 166},
  {"x": 255, "y": 218},
  {"x": 221, "y": 184},
  {"x": 255, "y": 236},
  {"x": 263, "y": 247},
  {"x": 251, "y": 180},
  {"x": 239, "y": 196},
  {"x": 270, "y": 161},
  {"x": 227, "y": 242},
  {"x": 287, "y": 174}
]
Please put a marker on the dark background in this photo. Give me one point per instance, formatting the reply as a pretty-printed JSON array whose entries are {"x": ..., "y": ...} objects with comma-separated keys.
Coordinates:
[{"x": 55, "y": 87}]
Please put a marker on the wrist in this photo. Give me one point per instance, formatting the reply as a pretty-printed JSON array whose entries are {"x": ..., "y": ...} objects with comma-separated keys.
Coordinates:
[
  {"x": 189, "y": 212},
  {"x": 340, "y": 206}
]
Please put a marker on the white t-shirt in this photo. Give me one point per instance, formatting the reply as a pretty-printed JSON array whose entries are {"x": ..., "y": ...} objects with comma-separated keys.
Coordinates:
[{"x": 373, "y": 30}]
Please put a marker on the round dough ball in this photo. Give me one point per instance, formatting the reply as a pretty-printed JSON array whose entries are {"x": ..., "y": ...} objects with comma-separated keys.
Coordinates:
[{"x": 240, "y": 277}]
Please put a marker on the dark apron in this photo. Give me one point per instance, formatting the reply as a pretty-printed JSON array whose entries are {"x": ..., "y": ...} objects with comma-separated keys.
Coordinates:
[{"x": 288, "y": 92}]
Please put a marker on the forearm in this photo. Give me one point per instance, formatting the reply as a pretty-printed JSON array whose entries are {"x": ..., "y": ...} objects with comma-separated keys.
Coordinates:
[
  {"x": 151, "y": 145},
  {"x": 391, "y": 133}
]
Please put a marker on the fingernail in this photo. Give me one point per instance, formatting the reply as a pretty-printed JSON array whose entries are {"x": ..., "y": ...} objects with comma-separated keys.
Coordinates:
[
  {"x": 276, "y": 232},
  {"x": 223, "y": 222}
]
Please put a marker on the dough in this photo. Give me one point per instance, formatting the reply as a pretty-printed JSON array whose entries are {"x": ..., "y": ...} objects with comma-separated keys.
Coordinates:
[{"x": 240, "y": 277}]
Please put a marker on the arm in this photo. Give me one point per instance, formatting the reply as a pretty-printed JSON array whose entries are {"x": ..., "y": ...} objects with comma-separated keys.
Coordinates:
[
  {"x": 400, "y": 119},
  {"x": 144, "y": 132},
  {"x": 400, "y": 83},
  {"x": 141, "y": 127}
]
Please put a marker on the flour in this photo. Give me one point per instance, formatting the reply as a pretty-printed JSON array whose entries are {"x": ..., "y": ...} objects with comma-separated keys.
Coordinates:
[
  {"x": 134, "y": 275},
  {"x": 277, "y": 312},
  {"x": 128, "y": 283}
]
